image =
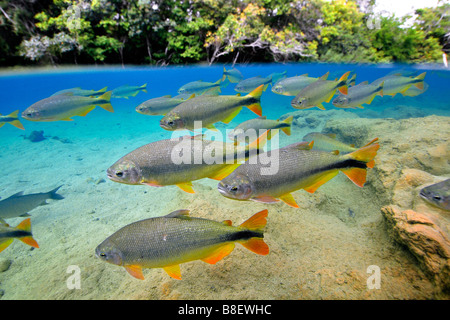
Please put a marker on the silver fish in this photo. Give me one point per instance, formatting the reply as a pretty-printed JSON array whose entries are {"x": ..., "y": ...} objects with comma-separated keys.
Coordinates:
[
  {"x": 438, "y": 194},
  {"x": 18, "y": 205}
]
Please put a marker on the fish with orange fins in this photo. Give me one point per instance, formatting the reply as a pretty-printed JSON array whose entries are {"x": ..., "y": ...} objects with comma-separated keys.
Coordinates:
[
  {"x": 166, "y": 242},
  {"x": 210, "y": 109},
  {"x": 21, "y": 232},
  {"x": 262, "y": 123},
  {"x": 12, "y": 119},
  {"x": 299, "y": 167},
  {"x": 181, "y": 161},
  {"x": 397, "y": 83},
  {"x": 320, "y": 91},
  {"x": 65, "y": 106}
]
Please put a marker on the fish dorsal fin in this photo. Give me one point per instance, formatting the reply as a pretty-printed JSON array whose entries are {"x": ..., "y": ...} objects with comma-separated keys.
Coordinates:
[
  {"x": 325, "y": 76},
  {"x": 331, "y": 135},
  {"x": 191, "y": 96},
  {"x": 336, "y": 152},
  {"x": 182, "y": 213},
  {"x": 15, "y": 195},
  {"x": 365, "y": 82},
  {"x": 262, "y": 118},
  {"x": 167, "y": 96},
  {"x": 238, "y": 95},
  {"x": 304, "y": 75}
]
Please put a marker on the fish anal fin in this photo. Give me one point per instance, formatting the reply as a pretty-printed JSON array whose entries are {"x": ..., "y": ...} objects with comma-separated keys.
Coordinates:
[
  {"x": 357, "y": 175},
  {"x": 232, "y": 115},
  {"x": 5, "y": 244},
  {"x": 173, "y": 271},
  {"x": 256, "y": 245},
  {"x": 320, "y": 106},
  {"x": 219, "y": 253},
  {"x": 321, "y": 180},
  {"x": 85, "y": 112},
  {"x": 135, "y": 271},
  {"x": 186, "y": 186},
  {"x": 289, "y": 200}
]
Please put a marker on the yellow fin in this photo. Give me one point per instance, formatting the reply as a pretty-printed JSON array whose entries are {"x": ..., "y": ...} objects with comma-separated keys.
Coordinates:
[
  {"x": 5, "y": 244},
  {"x": 219, "y": 253},
  {"x": 289, "y": 200},
  {"x": 321, "y": 180},
  {"x": 212, "y": 127},
  {"x": 186, "y": 186},
  {"x": 85, "y": 112},
  {"x": 224, "y": 172},
  {"x": 228, "y": 119},
  {"x": 320, "y": 106},
  {"x": 107, "y": 106},
  {"x": 135, "y": 271},
  {"x": 173, "y": 271}
]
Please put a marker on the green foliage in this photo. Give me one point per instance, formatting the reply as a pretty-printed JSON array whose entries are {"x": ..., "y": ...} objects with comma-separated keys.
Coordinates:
[{"x": 180, "y": 31}]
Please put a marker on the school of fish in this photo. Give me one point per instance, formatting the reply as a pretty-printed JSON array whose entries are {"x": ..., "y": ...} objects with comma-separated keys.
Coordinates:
[{"x": 176, "y": 238}]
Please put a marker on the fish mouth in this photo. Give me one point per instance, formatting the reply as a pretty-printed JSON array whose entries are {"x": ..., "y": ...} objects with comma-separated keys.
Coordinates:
[{"x": 222, "y": 190}]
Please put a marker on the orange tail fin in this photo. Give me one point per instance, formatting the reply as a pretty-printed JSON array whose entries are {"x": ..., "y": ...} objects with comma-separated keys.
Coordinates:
[
  {"x": 25, "y": 225},
  {"x": 343, "y": 88},
  {"x": 365, "y": 154},
  {"x": 256, "y": 222}
]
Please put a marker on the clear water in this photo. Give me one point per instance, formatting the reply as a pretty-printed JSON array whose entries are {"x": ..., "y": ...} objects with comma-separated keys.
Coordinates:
[{"x": 307, "y": 257}]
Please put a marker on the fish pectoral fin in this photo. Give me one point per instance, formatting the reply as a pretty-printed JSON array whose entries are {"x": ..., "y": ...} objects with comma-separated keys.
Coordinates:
[
  {"x": 256, "y": 245},
  {"x": 219, "y": 253},
  {"x": 265, "y": 199},
  {"x": 289, "y": 200},
  {"x": 186, "y": 186},
  {"x": 321, "y": 180},
  {"x": 222, "y": 173},
  {"x": 5, "y": 244},
  {"x": 173, "y": 271},
  {"x": 357, "y": 175},
  {"x": 228, "y": 119},
  {"x": 135, "y": 271}
]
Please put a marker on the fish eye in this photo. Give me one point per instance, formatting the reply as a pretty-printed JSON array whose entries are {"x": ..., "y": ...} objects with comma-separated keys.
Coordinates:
[
  {"x": 438, "y": 198},
  {"x": 170, "y": 123},
  {"x": 102, "y": 254},
  {"x": 119, "y": 174},
  {"x": 234, "y": 188}
]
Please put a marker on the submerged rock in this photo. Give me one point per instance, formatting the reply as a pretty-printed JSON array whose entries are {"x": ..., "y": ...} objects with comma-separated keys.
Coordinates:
[
  {"x": 36, "y": 136},
  {"x": 5, "y": 264},
  {"x": 424, "y": 238}
]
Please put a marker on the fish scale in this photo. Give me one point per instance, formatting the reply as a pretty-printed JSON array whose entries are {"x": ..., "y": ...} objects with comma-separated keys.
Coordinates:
[{"x": 165, "y": 242}]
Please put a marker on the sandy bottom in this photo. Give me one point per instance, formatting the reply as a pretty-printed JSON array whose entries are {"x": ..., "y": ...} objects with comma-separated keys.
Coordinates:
[{"x": 321, "y": 251}]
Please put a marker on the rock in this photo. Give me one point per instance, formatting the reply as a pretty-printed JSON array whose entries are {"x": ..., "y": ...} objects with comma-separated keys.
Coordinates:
[
  {"x": 426, "y": 241},
  {"x": 36, "y": 136},
  {"x": 403, "y": 112},
  {"x": 5, "y": 264}
]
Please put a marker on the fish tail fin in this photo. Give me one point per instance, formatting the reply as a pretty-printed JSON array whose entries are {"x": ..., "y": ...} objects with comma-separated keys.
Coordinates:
[
  {"x": 380, "y": 89},
  {"x": 256, "y": 94},
  {"x": 365, "y": 154},
  {"x": 287, "y": 130},
  {"x": 419, "y": 85},
  {"x": 54, "y": 195},
  {"x": 224, "y": 76},
  {"x": 144, "y": 87},
  {"x": 25, "y": 225},
  {"x": 342, "y": 84},
  {"x": 102, "y": 90},
  {"x": 15, "y": 123},
  {"x": 256, "y": 223},
  {"x": 107, "y": 106},
  {"x": 221, "y": 83}
]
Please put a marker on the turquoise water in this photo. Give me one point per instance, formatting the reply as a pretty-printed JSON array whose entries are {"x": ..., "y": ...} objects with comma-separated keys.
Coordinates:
[{"x": 94, "y": 207}]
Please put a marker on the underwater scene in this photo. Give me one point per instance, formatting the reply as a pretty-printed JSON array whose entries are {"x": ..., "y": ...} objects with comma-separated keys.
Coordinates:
[{"x": 253, "y": 181}]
